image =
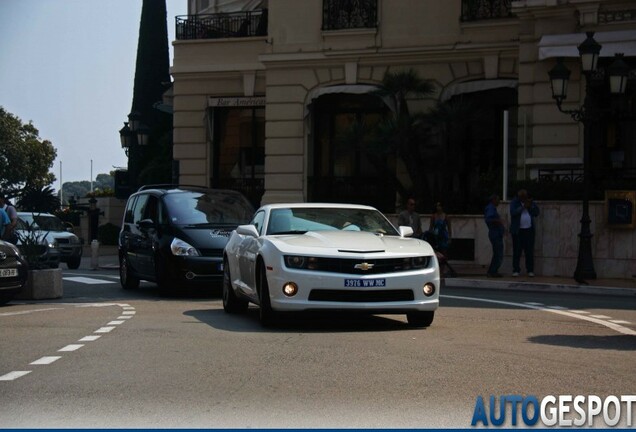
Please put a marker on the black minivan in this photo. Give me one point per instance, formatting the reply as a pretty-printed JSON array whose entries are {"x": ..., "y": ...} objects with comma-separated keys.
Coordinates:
[{"x": 175, "y": 235}]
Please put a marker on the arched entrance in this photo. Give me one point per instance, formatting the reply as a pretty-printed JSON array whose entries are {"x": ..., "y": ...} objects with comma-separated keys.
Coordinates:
[{"x": 345, "y": 163}]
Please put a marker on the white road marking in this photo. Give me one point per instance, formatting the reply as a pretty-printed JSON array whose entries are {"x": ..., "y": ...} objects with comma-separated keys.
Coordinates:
[
  {"x": 72, "y": 347},
  {"x": 27, "y": 311},
  {"x": 534, "y": 303},
  {"x": 129, "y": 313},
  {"x": 46, "y": 360},
  {"x": 621, "y": 322},
  {"x": 611, "y": 325},
  {"x": 601, "y": 316},
  {"x": 579, "y": 311},
  {"x": 88, "y": 281},
  {"x": 13, "y": 375}
]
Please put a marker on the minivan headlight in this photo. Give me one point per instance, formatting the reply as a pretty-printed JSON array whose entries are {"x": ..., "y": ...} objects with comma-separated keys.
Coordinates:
[{"x": 181, "y": 248}]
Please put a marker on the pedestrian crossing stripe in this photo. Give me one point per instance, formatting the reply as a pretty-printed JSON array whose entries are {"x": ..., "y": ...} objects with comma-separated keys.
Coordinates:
[{"x": 86, "y": 280}]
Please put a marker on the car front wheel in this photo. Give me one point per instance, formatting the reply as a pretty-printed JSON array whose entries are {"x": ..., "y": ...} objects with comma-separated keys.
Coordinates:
[
  {"x": 266, "y": 315},
  {"x": 127, "y": 280},
  {"x": 231, "y": 303},
  {"x": 420, "y": 319},
  {"x": 74, "y": 263}
]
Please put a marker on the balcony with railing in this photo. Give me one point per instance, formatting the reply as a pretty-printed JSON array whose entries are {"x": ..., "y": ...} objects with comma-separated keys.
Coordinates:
[
  {"x": 222, "y": 25},
  {"x": 477, "y": 10},
  {"x": 349, "y": 14}
]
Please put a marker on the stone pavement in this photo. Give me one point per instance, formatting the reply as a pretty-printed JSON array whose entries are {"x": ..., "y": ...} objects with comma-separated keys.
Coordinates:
[{"x": 107, "y": 259}]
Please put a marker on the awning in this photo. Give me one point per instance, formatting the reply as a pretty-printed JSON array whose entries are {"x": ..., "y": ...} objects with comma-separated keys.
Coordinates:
[
  {"x": 566, "y": 45},
  {"x": 351, "y": 89},
  {"x": 476, "y": 86}
]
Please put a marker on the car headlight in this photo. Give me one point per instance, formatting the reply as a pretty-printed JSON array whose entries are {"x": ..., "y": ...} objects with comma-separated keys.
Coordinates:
[
  {"x": 299, "y": 262},
  {"x": 52, "y": 244},
  {"x": 415, "y": 263},
  {"x": 181, "y": 248}
]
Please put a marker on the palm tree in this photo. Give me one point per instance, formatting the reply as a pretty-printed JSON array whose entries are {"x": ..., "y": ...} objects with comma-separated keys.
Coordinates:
[
  {"x": 38, "y": 199},
  {"x": 403, "y": 132}
]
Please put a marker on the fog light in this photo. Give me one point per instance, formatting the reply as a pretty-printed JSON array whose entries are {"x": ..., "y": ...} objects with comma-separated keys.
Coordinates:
[
  {"x": 429, "y": 289},
  {"x": 290, "y": 289}
]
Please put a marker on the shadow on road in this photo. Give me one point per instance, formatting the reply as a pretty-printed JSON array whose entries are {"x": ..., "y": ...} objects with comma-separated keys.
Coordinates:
[
  {"x": 618, "y": 342},
  {"x": 324, "y": 322}
]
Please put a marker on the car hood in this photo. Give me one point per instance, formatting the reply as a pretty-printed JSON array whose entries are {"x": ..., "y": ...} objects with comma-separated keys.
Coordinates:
[{"x": 350, "y": 241}]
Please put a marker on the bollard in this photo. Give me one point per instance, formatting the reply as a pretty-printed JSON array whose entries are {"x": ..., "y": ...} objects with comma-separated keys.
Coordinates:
[{"x": 94, "y": 254}]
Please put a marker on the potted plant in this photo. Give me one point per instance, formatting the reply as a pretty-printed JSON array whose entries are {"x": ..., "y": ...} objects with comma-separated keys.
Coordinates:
[{"x": 44, "y": 275}]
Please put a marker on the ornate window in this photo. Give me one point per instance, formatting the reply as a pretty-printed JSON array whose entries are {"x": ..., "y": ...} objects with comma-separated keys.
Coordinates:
[
  {"x": 349, "y": 14},
  {"x": 474, "y": 10}
]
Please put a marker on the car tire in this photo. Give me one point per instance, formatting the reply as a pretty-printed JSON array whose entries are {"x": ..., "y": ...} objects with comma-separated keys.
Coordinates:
[
  {"x": 5, "y": 298},
  {"x": 420, "y": 319},
  {"x": 74, "y": 263},
  {"x": 266, "y": 314},
  {"x": 231, "y": 303},
  {"x": 127, "y": 280}
]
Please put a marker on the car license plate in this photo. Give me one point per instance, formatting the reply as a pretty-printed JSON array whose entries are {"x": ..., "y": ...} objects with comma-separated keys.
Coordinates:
[
  {"x": 364, "y": 283},
  {"x": 8, "y": 272}
]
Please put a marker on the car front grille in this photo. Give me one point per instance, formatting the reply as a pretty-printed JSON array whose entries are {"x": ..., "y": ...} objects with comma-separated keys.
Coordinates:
[
  {"x": 362, "y": 296},
  {"x": 370, "y": 267},
  {"x": 213, "y": 253}
]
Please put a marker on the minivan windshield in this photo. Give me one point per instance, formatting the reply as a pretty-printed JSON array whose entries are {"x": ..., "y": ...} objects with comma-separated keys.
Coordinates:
[{"x": 208, "y": 208}]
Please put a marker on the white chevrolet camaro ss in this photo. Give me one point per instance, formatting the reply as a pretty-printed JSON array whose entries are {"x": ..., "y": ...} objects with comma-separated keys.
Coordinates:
[{"x": 338, "y": 257}]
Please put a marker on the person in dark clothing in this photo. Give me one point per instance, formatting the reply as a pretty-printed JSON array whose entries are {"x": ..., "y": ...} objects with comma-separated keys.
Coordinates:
[
  {"x": 523, "y": 211},
  {"x": 495, "y": 235}
]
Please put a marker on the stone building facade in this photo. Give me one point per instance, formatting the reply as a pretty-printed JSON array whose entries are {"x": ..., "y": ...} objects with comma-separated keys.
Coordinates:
[{"x": 262, "y": 88}]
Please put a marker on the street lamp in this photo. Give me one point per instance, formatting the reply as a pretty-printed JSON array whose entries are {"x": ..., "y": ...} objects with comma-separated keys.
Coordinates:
[
  {"x": 587, "y": 114},
  {"x": 134, "y": 136}
]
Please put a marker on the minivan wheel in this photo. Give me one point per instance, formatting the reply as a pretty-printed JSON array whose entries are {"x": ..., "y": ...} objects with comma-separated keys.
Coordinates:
[
  {"x": 231, "y": 303},
  {"x": 127, "y": 280}
]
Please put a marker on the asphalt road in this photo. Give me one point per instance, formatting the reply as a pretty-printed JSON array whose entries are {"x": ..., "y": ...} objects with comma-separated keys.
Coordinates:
[{"x": 105, "y": 357}]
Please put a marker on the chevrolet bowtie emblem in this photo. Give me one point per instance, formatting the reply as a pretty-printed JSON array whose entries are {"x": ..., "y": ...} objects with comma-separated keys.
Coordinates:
[{"x": 363, "y": 266}]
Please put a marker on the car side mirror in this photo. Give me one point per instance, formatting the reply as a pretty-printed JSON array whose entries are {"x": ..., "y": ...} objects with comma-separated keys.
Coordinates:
[
  {"x": 146, "y": 223},
  {"x": 247, "y": 230},
  {"x": 406, "y": 231}
]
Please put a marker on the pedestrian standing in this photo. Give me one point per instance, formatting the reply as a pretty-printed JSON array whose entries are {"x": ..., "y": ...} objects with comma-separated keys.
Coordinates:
[
  {"x": 523, "y": 211},
  {"x": 4, "y": 222},
  {"x": 495, "y": 235},
  {"x": 410, "y": 217},
  {"x": 10, "y": 233}
]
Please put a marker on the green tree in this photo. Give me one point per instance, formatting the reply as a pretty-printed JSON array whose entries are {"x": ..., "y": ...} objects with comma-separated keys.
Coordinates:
[
  {"x": 25, "y": 159},
  {"x": 403, "y": 132},
  {"x": 36, "y": 199}
]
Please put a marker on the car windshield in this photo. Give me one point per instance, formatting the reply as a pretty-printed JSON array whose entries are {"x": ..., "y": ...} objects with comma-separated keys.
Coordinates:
[
  {"x": 299, "y": 220},
  {"x": 208, "y": 208},
  {"x": 40, "y": 222}
]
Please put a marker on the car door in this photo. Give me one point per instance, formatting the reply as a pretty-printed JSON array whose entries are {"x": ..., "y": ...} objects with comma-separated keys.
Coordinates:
[
  {"x": 147, "y": 226},
  {"x": 130, "y": 237},
  {"x": 247, "y": 253}
]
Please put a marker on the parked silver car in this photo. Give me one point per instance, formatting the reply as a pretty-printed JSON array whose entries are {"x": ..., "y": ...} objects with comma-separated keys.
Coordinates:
[{"x": 62, "y": 245}]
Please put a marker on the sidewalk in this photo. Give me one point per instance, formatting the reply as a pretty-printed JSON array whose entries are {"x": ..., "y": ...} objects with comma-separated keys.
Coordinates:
[{"x": 466, "y": 278}]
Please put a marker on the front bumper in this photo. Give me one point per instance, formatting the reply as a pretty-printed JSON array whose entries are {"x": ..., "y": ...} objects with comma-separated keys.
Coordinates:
[
  {"x": 396, "y": 293},
  {"x": 195, "y": 270}
]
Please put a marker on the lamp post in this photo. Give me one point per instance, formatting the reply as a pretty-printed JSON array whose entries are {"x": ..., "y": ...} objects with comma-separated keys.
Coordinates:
[
  {"x": 134, "y": 137},
  {"x": 588, "y": 114}
]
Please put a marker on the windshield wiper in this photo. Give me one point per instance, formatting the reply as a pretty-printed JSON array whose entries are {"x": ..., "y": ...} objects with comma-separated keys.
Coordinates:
[{"x": 289, "y": 232}]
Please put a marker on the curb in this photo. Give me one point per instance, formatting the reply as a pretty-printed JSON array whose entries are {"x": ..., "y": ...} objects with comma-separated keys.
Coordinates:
[{"x": 539, "y": 287}]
